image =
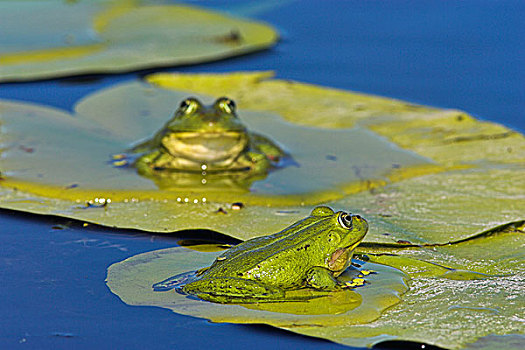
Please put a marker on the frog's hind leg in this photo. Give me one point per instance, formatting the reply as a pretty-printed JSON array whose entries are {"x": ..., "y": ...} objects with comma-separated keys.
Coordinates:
[{"x": 233, "y": 290}]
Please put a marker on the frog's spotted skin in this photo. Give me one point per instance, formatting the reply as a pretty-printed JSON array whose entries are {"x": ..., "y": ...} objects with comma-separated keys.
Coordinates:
[
  {"x": 208, "y": 139},
  {"x": 310, "y": 253}
]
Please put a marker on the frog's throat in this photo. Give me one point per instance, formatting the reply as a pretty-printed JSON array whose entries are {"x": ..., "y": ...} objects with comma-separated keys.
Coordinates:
[
  {"x": 339, "y": 252},
  {"x": 206, "y": 147}
]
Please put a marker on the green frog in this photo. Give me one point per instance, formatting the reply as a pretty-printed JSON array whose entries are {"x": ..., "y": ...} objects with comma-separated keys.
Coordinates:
[
  {"x": 207, "y": 139},
  {"x": 311, "y": 253}
]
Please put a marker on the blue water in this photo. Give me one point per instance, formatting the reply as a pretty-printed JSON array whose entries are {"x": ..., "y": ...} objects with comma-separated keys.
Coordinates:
[{"x": 454, "y": 54}]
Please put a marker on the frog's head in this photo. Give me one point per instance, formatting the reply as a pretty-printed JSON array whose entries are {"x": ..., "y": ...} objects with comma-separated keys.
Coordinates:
[
  {"x": 205, "y": 133},
  {"x": 341, "y": 234}
]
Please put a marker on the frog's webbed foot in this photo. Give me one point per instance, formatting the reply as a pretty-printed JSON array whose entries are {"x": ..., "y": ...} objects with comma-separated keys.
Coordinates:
[
  {"x": 143, "y": 163},
  {"x": 119, "y": 160},
  {"x": 174, "y": 282},
  {"x": 232, "y": 290}
]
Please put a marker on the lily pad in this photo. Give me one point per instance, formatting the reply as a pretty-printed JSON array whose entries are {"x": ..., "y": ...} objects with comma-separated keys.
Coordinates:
[
  {"x": 349, "y": 162},
  {"x": 406, "y": 196},
  {"x": 75, "y": 168},
  {"x": 449, "y": 137},
  {"x": 45, "y": 39},
  {"x": 444, "y": 207},
  {"x": 132, "y": 281},
  {"x": 480, "y": 305}
]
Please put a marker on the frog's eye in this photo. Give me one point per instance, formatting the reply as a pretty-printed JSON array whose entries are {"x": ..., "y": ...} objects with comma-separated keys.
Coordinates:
[
  {"x": 189, "y": 105},
  {"x": 225, "y": 104},
  {"x": 345, "y": 220}
]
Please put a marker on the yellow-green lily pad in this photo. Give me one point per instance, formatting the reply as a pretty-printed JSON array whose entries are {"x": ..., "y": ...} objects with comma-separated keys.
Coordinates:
[
  {"x": 133, "y": 278},
  {"x": 480, "y": 305},
  {"x": 449, "y": 137},
  {"x": 56, "y": 163},
  {"x": 46, "y": 39},
  {"x": 444, "y": 207},
  {"x": 474, "y": 288}
]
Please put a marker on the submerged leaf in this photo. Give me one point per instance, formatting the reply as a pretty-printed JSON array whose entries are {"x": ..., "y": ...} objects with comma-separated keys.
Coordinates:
[{"x": 43, "y": 39}]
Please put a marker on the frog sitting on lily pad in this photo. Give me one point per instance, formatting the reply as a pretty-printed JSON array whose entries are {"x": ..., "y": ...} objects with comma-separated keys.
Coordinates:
[
  {"x": 206, "y": 140},
  {"x": 310, "y": 253}
]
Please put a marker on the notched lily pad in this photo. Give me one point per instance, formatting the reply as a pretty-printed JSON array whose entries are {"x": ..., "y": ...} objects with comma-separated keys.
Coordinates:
[
  {"x": 133, "y": 278},
  {"x": 44, "y": 39}
]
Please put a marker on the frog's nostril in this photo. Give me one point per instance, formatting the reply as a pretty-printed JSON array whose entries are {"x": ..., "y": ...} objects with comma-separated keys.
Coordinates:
[{"x": 358, "y": 217}]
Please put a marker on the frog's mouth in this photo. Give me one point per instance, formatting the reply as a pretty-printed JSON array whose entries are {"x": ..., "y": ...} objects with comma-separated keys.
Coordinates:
[{"x": 206, "y": 147}]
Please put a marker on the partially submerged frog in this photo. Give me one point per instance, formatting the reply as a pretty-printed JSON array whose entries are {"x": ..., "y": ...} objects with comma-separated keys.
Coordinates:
[
  {"x": 310, "y": 253},
  {"x": 207, "y": 138}
]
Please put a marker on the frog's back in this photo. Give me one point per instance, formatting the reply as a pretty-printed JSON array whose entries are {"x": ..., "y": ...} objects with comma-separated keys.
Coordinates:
[
  {"x": 276, "y": 241},
  {"x": 277, "y": 259}
]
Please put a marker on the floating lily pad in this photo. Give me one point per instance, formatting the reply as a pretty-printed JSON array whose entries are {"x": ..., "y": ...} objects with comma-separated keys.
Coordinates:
[
  {"x": 405, "y": 196},
  {"x": 444, "y": 207},
  {"x": 455, "y": 179},
  {"x": 75, "y": 168},
  {"x": 480, "y": 305},
  {"x": 45, "y": 39},
  {"x": 133, "y": 278},
  {"x": 348, "y": 162},
  {"x": 494, "y": 253},
  {"x": 482, "y": 302},
  {"x": 449, "y": 137}
]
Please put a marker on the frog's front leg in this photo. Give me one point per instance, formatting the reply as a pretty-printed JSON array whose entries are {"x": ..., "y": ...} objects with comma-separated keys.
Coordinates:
[
  {"x": 232, "y": 290},
  {"x": 267, "y": 147},
  {"x": 321, "y": 278},
  {"x": 256, "y": 162},
  {"x": 152, "y": 161},
  {"x": 144, "y": 162}
]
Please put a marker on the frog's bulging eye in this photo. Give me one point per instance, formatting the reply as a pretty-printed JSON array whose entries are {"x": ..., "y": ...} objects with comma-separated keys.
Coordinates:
[
  {"x": 189, "y": 105},
  {"x": 345, "y": 220},
  {"x": 226, "y": 105}
]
